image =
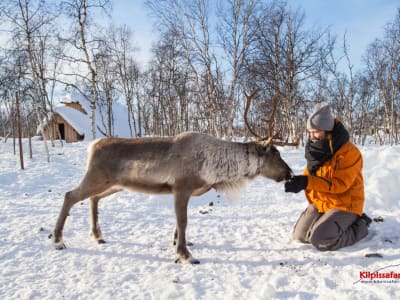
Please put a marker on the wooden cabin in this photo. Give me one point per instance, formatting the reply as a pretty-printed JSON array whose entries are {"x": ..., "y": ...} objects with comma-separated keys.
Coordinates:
[
  {"x": 60, "y": 126},
  {"x": 71, "y": 120}
]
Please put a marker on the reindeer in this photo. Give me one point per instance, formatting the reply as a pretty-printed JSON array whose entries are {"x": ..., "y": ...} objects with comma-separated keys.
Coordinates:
[{"x": 189, "y": 164}]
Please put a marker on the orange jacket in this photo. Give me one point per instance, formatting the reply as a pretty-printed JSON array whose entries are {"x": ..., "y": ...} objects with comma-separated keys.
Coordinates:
[{"x": 339, "y": 182}]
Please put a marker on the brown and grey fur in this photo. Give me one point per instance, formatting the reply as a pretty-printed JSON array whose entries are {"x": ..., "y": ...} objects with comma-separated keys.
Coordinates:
[{"x": 186, "y": 165}]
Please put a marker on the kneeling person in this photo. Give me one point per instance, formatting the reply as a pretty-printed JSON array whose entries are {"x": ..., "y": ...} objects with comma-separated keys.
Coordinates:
[{"x": 333, "y": 185}]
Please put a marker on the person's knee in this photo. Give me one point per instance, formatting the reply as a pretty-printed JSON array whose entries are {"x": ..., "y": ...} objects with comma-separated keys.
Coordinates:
[
  {"x": 319, "y": 245},
  {"x": 300, "y": 237},
  {"x": 322, "y": 242},
  {"x": 301, "y": 230}
]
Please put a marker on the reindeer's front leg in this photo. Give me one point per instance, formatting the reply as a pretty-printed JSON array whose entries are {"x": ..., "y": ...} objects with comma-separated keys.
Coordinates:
[
  {"x": 175, "y": 235},
  {"x": 57, "y": 235},
  {"x": 181, "y": 203},
  {"x": 175, "y": 238}
]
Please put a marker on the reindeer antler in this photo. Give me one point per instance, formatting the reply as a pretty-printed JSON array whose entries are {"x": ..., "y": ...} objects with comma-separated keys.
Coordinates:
[
  {"x": 267, "y": 140},
  {"x": 246, "y": 111}
]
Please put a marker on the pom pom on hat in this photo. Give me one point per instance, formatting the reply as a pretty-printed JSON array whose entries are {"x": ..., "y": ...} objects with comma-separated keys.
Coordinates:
[{"x": 321, "y": 118}]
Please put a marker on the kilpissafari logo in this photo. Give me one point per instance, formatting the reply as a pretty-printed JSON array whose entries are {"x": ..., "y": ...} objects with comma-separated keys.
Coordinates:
[{"x": 388, "y": 274}]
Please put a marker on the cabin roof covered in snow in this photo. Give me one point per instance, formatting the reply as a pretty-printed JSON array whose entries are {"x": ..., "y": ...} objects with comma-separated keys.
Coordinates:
[
  {"x": 78, "y": 120},
  {"x": 82, "y": 122}
]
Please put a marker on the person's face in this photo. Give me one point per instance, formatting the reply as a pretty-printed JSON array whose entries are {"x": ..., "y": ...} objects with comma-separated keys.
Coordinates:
[{"x": 316, "y": 135}]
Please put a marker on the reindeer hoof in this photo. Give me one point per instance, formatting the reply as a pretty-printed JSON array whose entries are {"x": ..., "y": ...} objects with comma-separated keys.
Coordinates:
[
  {"x": 101, "y": 241},
  {"x": 180, "y": 260},
  {"x": 194, "y": 261},
  {"x": 60, "y": 246},
  {"x": 57, "y": 242}
]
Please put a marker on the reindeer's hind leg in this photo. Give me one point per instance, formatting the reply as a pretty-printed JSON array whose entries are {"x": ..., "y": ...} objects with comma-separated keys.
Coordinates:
[
  {"x": 94, "y": 214},
  {"x": 91, "y": 185}
]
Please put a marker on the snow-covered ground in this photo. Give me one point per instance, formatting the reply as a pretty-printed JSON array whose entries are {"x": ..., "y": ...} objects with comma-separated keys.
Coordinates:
[{"x": 245, "y": 248}]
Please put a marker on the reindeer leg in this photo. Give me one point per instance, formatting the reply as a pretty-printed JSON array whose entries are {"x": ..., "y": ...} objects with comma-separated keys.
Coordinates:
[
  {"x": 176, "y": 238},
  {"x": 181, "y": 203},
  {"x": 94, "y": 214},
  {"x": 94, "y": 220},
  {"x": 86, "y": 189},
  {"x": 70, "y": 199}
]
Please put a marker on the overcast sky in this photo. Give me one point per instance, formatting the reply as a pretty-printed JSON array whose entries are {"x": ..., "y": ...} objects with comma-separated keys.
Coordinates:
[{"x": 364, "y": 20}]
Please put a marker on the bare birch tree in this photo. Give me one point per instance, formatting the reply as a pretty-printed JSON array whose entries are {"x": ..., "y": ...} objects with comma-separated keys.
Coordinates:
[
  {"x": 128, "y": 74},
  {"x": 383, "y": 70},
  {"x": 235, "y": 34},
  {"x": 85, "y": 45},
  {"x": 31, "y": 21},
  {"x": 189, "y": 22},
  {"x": 285, "y": 56}
]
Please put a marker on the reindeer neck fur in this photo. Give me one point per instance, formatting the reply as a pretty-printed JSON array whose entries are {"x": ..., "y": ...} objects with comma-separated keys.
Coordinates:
[{"x": 226, "y": 165}]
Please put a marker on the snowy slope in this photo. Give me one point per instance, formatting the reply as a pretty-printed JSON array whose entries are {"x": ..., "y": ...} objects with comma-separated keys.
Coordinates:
[{"x": 245, "y": 248}]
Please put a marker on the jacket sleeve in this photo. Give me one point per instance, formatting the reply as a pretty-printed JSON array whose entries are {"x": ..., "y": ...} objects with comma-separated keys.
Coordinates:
[{"x": 345, "y": 171}]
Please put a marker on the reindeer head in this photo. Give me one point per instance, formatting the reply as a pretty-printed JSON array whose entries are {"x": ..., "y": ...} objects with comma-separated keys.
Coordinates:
[{"x": 273, "y": 166}]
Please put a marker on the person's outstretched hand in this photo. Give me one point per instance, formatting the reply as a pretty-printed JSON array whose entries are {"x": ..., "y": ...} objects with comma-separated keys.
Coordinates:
[{"x": 296, "y": 184}]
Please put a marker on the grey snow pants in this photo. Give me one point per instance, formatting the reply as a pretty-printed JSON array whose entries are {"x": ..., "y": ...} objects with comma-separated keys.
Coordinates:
[{"x": 329, "y": 231}]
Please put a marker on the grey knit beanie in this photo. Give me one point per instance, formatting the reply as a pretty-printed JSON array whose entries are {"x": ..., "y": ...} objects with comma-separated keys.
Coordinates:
[{"x": 321, "y": 118}]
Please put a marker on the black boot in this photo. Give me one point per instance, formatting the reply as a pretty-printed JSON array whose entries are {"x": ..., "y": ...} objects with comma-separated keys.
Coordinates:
[{"x": 366, "y": 219}]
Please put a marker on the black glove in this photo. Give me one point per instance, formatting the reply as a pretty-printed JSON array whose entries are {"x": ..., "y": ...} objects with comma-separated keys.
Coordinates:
[{"x": 296, "y": 184}]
